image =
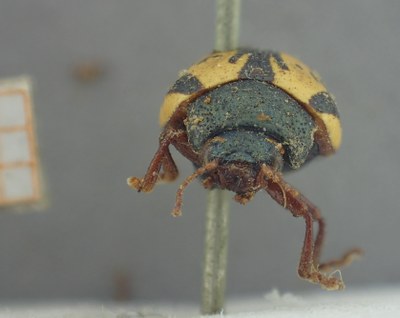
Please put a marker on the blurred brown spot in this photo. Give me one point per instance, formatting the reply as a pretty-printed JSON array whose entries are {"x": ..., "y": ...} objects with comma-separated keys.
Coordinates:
[
  {"x": 89, "y": 71},
  {"x": 122, "y": 286}
]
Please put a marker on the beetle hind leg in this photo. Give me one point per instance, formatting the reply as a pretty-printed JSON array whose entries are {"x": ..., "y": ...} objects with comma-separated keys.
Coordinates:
[
  {"x": 309, "y": 267},
  {"x": 346, "y": 259}
]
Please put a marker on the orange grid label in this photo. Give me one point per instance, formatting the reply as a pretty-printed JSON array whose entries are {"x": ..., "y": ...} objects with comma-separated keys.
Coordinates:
[{"x": 19, "y": 163}]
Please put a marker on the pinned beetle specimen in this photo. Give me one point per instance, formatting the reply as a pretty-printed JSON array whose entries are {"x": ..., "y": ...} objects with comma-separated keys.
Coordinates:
[{"x": 243, "y": 117}]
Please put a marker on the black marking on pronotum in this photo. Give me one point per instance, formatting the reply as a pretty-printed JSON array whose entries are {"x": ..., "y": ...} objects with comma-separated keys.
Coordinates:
[{"x": 187, "y": 84}]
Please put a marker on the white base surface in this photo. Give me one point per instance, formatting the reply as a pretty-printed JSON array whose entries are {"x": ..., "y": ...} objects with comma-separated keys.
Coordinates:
[{"x": 366, "y": 303}]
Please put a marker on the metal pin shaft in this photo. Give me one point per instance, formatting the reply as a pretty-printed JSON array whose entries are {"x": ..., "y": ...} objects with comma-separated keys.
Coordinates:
[{"x": 217, "y": 215}]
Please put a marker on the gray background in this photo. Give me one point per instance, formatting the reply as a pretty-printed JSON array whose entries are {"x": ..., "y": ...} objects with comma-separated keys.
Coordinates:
[{"x": 94, "y": 135}]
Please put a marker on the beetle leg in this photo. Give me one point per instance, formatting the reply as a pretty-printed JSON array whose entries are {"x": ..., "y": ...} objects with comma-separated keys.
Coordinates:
[
  {"x": 309, "y": 268},
  {"x": 162, "y": 158},
  {"x": 170, "y": 170},
  {"x": 177, "y": 211},
  {"x": 345, "y": 260}
]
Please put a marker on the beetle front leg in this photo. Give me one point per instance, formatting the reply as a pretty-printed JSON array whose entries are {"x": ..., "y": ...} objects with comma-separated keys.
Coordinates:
[
  {"x": 169, "y": 168},
  {"x": 309, "y": 267},
  {"x": 162, "y": 158}
]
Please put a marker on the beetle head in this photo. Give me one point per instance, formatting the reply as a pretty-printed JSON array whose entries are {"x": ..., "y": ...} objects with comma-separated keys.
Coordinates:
[
  {"x": 240, "y": 155},
  {"x": 234, "y": 160}
]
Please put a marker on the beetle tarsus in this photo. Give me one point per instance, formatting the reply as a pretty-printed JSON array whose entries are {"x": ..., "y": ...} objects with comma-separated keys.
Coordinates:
[
  {"x": 326, "y": 282},
  {"x": 135, "y": 183},
  {"x": 347, "y": 258}
]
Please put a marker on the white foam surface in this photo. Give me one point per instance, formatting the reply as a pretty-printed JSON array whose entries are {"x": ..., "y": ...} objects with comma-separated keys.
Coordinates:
[{"x": 366, "y": 303}]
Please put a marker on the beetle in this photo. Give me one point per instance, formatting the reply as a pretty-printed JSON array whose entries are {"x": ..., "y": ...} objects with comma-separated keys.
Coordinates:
[{"x": 244, "y": 117}]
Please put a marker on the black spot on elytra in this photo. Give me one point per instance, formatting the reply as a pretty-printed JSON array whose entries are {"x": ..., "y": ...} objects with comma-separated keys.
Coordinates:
[
  {"x": 258, "y": 65},
  {"x": 187, "y": 84},
  {"x": 324, "y": 103},
  {"x": 239, "y": 53},
  {"x": 279, "y": 60}
]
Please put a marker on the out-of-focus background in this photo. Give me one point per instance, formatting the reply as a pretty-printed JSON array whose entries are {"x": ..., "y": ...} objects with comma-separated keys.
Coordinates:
[{"x": 100, "y": 70}]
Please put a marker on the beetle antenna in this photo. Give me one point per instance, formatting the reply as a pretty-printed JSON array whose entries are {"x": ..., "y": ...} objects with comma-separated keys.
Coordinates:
[{"x": 177, "y": 211}]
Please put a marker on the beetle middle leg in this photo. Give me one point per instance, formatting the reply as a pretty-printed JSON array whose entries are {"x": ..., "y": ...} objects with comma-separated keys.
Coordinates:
[{"x": 309, "y": 267}]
